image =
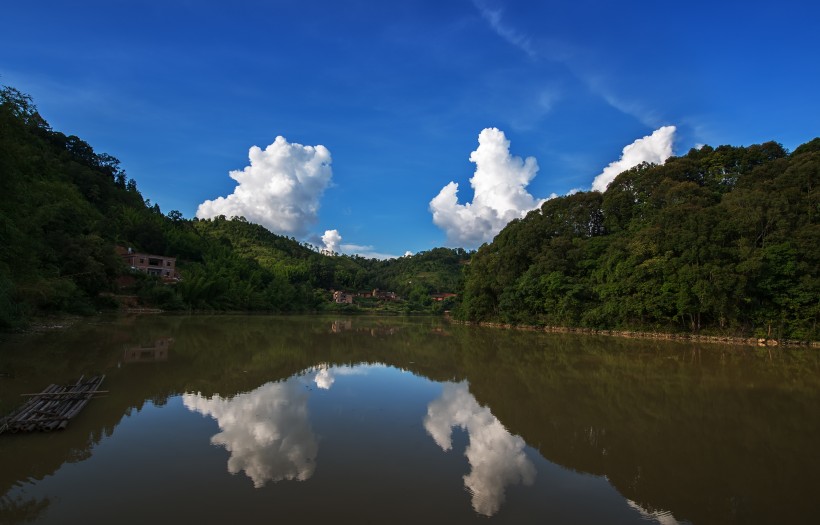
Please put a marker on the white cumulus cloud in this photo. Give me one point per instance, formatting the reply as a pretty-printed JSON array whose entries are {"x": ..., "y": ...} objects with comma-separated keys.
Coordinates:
[
  {"x": 496, "y": 457},
  {"x": 332, "y": 240},
  {"x": 655, "y": 148},
  {"x": 280, "y": 189},
  {"x": 499, "y": 193}
]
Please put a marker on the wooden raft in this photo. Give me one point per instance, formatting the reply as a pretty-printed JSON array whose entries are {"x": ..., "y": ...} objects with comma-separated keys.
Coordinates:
[{"x": 52, "y": 408}]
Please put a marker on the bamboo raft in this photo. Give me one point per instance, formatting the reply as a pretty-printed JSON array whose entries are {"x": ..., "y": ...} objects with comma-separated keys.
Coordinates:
[{"x": 52, "y": 408}]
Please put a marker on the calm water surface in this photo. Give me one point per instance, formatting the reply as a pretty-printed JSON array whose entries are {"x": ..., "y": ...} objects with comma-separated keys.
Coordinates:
[{"x": 401, "y": 420}]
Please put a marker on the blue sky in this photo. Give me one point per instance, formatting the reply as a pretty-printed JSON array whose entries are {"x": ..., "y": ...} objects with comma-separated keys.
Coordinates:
[{"x": 398, "y": 94}]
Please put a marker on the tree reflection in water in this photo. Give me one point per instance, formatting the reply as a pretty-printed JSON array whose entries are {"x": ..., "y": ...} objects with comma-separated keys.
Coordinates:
[
  {"x": 713, "y": 434},
  {"x": 497, "y": 457}
]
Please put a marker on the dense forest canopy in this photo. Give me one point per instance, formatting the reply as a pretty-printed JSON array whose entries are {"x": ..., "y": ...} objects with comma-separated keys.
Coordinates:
[
  {"x": 724, "y": 240},
  {"x": 64, "y": 208}
]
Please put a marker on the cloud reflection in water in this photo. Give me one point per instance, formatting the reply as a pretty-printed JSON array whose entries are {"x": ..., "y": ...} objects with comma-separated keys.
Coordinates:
[
  {"x": 324, "y": 378},
  {"x": 497, "y": 457},
  {"x": 266, "y": 431},
  {"x": 269, "y": 437},
  {"x": 326, "y": 374}
]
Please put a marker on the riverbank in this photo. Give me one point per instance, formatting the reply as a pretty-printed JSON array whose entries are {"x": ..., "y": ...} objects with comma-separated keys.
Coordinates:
[
  {"x": 635, "y": 334},
  {"x": 59, "y": 322},
  {"x": 47, "y": 323}
]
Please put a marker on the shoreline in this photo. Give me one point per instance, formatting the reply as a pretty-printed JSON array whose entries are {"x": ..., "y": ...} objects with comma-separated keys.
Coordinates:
[
  {"x": 59, "y": 322},
  {"x": 637, "y": 334}
]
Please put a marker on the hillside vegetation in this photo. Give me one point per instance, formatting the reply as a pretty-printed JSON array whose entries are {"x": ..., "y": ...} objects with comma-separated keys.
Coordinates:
[
  {"x": 722, "y": 240},
  {"x": 64, "y": 208}
]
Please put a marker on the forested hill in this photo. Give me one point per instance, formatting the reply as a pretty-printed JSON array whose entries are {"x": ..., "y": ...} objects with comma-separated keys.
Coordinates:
[
  {"x": 723, "y": 241},
  {"x": 64, "y": 208}
]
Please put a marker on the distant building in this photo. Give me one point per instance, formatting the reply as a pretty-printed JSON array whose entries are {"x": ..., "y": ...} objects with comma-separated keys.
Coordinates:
[
  {"x": 347, "y": 297},
  {"x": 378, "y": 294},
  {"x": 342, "y": 297},
  {"x": 158, "y": 265},
  {"x": 389, "y": 296},
  {"x": 441, "y": 296}
]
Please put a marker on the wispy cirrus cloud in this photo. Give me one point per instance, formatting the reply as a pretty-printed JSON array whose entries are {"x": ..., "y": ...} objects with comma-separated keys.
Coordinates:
[
  {"x": 333, "y": 245},
  {"x": 367, "y": 251},
  {"x": 494, "y": 17},
  {"x": 641, "y": 112},
  {"x": 575, "y": 58}
]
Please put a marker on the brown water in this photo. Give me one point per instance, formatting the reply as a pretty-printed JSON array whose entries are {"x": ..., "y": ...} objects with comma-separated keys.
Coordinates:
[{"x": 405, "y": 420}]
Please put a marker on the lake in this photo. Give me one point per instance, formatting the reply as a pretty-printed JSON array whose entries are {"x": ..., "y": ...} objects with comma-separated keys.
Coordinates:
[{"x": 259, "y": 419}]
